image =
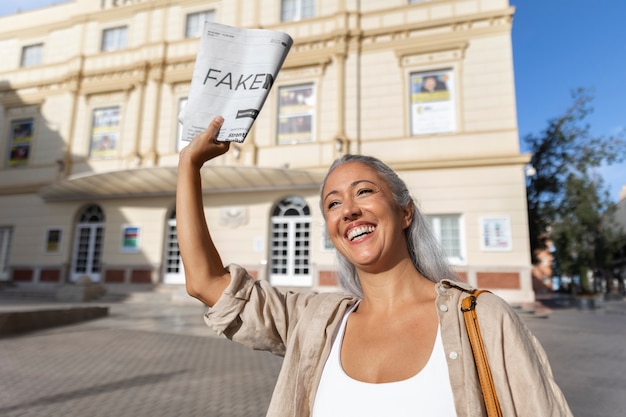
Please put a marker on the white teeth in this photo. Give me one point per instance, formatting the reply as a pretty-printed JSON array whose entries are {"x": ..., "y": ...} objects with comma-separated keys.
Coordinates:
[{"x": 358, "y": 231}]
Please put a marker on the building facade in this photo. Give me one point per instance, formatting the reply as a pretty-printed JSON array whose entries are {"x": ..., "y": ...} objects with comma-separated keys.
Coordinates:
[{"x": 90, "y": 93}]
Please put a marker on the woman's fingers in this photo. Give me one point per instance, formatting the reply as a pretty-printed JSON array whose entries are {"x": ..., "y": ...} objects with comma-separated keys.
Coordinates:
[
  {"x": 205, "y": 147},
  {"x": 215, "y": 125}
]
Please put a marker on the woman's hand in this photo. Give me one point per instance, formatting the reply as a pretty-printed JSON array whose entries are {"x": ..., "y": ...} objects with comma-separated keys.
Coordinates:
[{"x": 204, "y": 147}]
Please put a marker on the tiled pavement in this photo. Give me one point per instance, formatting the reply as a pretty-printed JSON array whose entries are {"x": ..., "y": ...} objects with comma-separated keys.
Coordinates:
[
  {"x": 142, "y": 360},
  {"x": 160, "y": 360}
]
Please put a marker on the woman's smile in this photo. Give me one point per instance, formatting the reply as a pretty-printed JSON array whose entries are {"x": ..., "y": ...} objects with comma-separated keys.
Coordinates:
[{"x": 359, "y": 232}]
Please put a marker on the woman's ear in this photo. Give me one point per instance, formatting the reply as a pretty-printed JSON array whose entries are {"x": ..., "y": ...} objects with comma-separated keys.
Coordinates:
[{"x": 407, "y": 214}]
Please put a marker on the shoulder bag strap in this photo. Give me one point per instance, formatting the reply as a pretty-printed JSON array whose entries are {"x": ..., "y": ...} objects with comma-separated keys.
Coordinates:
[{"x": 468, "y": 307}]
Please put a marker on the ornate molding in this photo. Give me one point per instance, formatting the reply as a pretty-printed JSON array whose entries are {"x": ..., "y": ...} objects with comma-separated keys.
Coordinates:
[{"x": 427, "y": 52}]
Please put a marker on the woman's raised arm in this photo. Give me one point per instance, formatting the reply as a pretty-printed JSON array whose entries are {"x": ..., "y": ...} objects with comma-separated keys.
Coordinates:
[{"x": 205, "y": 275}]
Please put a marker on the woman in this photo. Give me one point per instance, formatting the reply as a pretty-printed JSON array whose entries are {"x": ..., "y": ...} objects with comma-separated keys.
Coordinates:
[{"x": 396, "y": 343}]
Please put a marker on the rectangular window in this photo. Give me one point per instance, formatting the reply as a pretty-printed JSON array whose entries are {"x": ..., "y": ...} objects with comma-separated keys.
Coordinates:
[
  {"x": 105, "y": 132},
  {"x": 195, "y": 23},
  {"x": 294, "y": 10},
  {"x": 448, "y": 229},
  {"x": 114, "y": 39},
  {"x": 432, "y": 102},
  {"x": 32, "y": 55},
  {"x": 20, "y": 141},
  {"x": 327, "y": 243},
  {"x": 180, "y": 143},
  {"x": 296, "y": 110},
  {"x": 5, "y": 247}
]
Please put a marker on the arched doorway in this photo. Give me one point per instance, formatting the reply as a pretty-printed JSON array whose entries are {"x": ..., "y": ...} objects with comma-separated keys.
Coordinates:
[
  {"x": 173, "y": 266},
  {"x": 290, "y": 243},
  {"x": 86, "y": 259}
]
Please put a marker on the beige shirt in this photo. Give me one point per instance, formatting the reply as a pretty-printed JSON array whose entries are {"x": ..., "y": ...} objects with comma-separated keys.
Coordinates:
[{"x": 301, "y": 327}]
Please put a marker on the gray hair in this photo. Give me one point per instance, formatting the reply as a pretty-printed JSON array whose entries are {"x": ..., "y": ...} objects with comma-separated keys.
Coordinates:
[{"x": 426, "y": 253}]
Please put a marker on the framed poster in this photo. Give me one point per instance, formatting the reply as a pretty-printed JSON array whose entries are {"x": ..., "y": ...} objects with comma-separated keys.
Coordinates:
[
  {"x": 105, "y": 132},
  {"x": 20, "y": 139},
  {"x": 433, "y": 102},
  {"x": 53, "y": 240},
  {"x": 495, "y": 234},
  {"x": 130, "y": 239},
  {"x": 296, "y": 108}
]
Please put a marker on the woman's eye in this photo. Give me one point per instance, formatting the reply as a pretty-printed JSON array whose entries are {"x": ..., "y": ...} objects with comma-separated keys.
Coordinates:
[
  {"x": 332, "y": 204},
  {"x": 363, "y": 191}
]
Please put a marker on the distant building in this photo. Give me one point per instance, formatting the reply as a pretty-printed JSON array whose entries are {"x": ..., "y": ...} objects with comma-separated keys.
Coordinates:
[{"x": 89, "y": 97}]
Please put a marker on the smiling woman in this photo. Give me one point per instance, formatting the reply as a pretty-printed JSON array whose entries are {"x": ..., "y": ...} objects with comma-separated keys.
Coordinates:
[{"x": 395, "y": 343}]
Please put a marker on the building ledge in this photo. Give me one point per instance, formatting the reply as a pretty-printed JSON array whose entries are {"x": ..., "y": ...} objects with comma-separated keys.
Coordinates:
[{"x": 161, "y": 181}]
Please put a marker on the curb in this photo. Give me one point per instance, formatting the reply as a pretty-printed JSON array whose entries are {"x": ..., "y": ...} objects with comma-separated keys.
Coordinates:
[{"x": 16, "y": 322}]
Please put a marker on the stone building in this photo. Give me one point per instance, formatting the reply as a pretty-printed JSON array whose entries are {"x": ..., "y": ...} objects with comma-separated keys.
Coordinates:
[{"x": 89, "y": 97}]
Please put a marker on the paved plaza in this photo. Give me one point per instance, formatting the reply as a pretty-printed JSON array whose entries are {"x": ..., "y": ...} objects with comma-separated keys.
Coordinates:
[{"x": 149, "y": 359}]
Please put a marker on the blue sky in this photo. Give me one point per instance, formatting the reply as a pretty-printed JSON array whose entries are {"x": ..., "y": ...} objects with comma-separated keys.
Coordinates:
[{"x": 558, "y": 45}]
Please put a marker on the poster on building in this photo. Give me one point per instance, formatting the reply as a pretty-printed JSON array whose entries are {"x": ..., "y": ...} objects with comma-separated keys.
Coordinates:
[
  {"x": 105, "y": 131},
  {"x": 296, "y": 105},
  {"x": 495, "y": 234},
  {"x": 433, "y": 103},
  {"x": 53, "y": 240},
  {"x": 21, "y": 136},
  {"x": 130, "y": 239}
]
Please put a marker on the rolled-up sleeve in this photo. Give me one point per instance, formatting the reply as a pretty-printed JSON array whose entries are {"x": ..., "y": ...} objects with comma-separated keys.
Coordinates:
[{"x": 254, "y": 313}]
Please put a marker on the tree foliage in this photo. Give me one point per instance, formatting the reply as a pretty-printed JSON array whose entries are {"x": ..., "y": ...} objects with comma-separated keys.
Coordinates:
[{"x": 567, "y": 200}]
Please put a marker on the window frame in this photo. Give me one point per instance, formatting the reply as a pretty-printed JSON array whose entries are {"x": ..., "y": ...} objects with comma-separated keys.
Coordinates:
[
  {"x": 120, "y": 42},
  {"x": 198, "y": 31},
  {"x": 88, "y": 244},
  {"x": 29, "y": 59},
  {"x": 327, "y": 243},
  {"x": 6, "y": 238},
  {"x": 173, "y": 268},
  {"x": 434, "y": 221},
  {"x": 301, "y": 10},
  {"x": 290, "y": 244},
  {"x": 180, "y": 143}
]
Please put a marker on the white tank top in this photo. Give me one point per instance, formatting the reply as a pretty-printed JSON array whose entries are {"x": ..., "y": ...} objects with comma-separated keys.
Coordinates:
[{"x": 427, "y": 394}]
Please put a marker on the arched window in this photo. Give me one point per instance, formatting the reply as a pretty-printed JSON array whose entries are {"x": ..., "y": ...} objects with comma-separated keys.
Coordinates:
[
  {"x": 88, "y": 244},
  {"x": 173, "y": 266},
  {"x": 290, "y": 242}
]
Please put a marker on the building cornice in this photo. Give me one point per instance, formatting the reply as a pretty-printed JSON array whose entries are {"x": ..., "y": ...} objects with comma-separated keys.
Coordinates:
[{"x": 503, "y": 160}]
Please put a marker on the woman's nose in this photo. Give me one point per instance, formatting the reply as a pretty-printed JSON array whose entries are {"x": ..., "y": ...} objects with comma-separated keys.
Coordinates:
[{"x": 351, "y": 211}]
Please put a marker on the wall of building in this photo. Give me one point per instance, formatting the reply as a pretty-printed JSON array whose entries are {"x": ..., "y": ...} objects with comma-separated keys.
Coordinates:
[{"x": 359, "y": 56}]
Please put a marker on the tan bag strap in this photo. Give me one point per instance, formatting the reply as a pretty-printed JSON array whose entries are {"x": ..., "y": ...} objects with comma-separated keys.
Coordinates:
[{"x": 468, "y": 307}]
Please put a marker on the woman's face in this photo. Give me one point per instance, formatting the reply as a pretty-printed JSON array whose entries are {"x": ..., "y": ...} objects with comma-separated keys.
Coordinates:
[
  {"x": 363, "y": 219},
  {"x": 430, "y": 83}
]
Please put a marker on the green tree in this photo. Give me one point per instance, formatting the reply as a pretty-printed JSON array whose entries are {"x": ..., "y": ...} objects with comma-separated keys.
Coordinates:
[{"x": 567, "y": 201}]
